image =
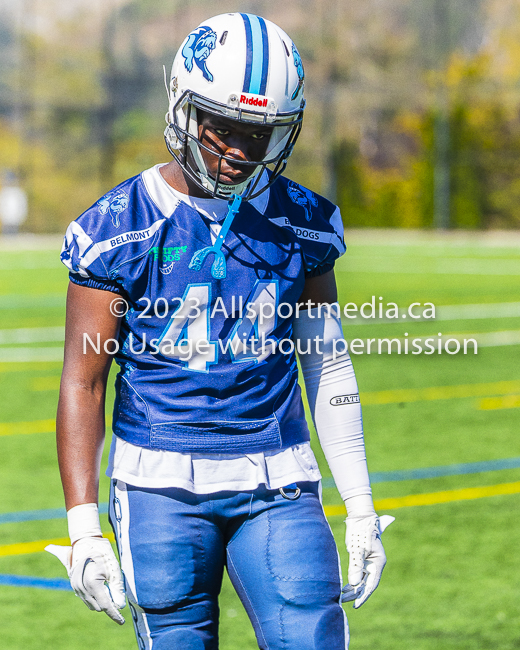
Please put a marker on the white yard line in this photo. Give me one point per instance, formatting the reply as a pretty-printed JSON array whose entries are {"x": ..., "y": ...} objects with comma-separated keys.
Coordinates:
[
  {"x": 492, "y": 339},
  {"x": 450, "y": 239},
  {"x": 22, "y": 355},
  {"x": 30, "y": 242},
  {"x": 32, "y": 335},
  {"x": 42, "y": 301},
  {"x": 24, "y": 265},
  {"x": 439, "y": 266},
  {"x": 443, "y": 313},
  {"x": 485, "y": 310}
]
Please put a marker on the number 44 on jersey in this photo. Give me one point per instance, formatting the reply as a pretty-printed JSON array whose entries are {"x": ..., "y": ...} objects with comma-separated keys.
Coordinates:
[{"x": 188, "y": 337}]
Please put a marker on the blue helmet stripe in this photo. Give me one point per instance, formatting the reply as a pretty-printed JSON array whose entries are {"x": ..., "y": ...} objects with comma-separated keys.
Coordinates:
[
  {"x": 257, "y": 55},
  {"x": 265, "y": 56},
  {"x": 249, "y": 53}
]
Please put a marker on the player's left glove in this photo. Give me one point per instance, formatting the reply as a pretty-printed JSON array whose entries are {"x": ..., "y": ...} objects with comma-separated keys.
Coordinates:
[{"x": 367, "y": 557}]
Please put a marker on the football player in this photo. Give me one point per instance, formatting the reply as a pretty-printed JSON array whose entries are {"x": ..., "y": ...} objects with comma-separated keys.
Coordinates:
[{"x": 200, "y": 275}]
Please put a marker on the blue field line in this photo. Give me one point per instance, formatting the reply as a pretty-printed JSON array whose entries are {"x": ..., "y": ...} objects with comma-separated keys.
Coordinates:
[
  {"x": 438, "y": 472},
  {"x": 41, "y": 515},
  {"x": 59, "y": 584},
  {"x": 446, "y": 470}
]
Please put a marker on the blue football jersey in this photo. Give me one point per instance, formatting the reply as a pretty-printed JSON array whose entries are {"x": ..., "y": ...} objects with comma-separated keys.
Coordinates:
[{"x": 206, "y": 365}]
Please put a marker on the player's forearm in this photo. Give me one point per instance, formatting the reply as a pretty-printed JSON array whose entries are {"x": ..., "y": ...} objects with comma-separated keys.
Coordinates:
[
  {"x": 81, "y": 409},
  {"x": 80, "y": 431},
  {"x": 334, "y": 403}
]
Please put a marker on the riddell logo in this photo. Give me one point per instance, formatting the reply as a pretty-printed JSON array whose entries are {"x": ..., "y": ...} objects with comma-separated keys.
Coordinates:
[{"x": 254, "y": 100}]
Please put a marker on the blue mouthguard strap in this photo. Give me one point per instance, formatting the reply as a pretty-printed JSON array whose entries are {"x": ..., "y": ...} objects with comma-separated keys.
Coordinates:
[{"x": 218, "y": 268}]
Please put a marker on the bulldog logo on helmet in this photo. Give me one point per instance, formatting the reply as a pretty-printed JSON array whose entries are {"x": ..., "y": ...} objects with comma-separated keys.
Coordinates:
[
  {"x": 198, "y": 47},
  {"x": 114, "y": 203},
  {"x": 302, "y": 196},
  {"x": 299, "y": 69}
]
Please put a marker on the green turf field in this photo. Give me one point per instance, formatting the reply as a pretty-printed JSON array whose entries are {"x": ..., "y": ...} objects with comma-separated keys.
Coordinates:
[{"x": 452, "y": 576}]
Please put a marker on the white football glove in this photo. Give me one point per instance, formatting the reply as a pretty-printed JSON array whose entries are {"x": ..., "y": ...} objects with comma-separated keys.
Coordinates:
[
  {"x": 94, "y": 574},
  {"x": 367, "y": 557}
]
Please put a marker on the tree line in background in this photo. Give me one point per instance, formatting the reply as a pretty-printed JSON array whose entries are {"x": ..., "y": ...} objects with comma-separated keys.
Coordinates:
[
  {"x": 412, "y": 115},
  {"x": 483, "y": 161}
]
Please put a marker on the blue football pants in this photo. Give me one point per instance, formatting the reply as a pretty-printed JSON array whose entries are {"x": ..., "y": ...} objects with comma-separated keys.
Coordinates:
[{"x": 279, "y": 553}]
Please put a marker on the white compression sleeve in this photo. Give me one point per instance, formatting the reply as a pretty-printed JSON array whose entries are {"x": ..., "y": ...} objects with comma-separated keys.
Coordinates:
[{"x": 329, "y": 375}]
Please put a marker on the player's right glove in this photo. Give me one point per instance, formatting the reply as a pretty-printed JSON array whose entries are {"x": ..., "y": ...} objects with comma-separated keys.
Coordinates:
[
  {"x": 91, "y": 564},
  {"x": 94, "y": 574}
]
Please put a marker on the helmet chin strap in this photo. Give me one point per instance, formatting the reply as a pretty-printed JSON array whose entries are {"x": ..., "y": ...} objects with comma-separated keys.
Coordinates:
[{"x": 218, "y": 268}]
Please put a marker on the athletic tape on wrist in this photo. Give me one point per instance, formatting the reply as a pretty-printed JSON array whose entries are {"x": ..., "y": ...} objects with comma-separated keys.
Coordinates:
[{"x": 83, "y": 521}]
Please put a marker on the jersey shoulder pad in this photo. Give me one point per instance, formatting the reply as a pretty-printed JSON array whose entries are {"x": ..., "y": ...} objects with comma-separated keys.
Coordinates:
[
  {"x": 313, "y": 218},
  {"x": 119, "y": 227}
]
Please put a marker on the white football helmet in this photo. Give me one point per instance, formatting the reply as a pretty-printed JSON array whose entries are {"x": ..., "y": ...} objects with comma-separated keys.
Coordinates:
[{"x": 245, "y": 68}]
